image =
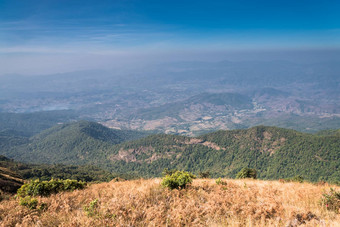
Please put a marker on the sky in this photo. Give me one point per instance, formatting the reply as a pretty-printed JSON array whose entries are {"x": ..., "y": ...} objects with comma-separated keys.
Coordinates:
[{"x": 48, "y": 36}]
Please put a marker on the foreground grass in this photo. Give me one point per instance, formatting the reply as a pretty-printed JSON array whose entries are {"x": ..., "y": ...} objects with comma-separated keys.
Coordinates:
[{"x": 146, "y": 203}]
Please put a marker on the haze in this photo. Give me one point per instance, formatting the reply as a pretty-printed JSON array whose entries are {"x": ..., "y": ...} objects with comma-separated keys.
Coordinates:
[
  {"x": 44, "y": 37},
  {"x": 172, "y": 66}
]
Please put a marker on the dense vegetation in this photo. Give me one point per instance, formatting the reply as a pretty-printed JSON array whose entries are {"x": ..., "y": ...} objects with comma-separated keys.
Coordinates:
[
  {"x": 177, "y": 180},
  {"x": 10, "y": 181},
  {"x": 80, "y": 142},
  {"x": 56, "y": 171},
  {"x": 28, "y": 124},
  {"x": 274, "y": 152},
  {"x": 246, "y": 173},
  {"x": 329, "y": 132},
  {"x": 46, "y": 188}
]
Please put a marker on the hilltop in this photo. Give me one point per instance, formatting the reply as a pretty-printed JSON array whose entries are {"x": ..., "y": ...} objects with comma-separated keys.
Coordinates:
[
  {"x": 146, "y": 203},
  {"x": 79, "y": 142}
]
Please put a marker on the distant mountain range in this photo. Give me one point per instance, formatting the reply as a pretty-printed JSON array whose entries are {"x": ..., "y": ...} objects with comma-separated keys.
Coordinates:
[
  {"x": 187, "y": 98},
  {"x": 274, "y": 152}
]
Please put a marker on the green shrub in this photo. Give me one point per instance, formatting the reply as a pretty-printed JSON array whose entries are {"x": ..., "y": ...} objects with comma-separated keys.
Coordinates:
[
  {"x": 331, "y": 200},
  {"x": 246, "y": 173},
  {"x": 219, "y": 181},
  {"x": 91, "y": 209},
  {"x": 29, "y": 202},
  {"x": 178, "y": 180},
  {"x": 45, "y": 188}
]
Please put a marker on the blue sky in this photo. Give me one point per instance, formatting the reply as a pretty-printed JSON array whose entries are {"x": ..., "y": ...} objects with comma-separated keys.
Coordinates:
[{"x": 37, "y": 29}]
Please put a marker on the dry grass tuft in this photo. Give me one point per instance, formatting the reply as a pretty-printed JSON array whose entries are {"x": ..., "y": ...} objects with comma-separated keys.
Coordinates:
[{"x": 146, "y": 203}]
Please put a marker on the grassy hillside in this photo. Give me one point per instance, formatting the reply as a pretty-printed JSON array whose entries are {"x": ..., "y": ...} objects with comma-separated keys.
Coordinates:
[{"x": 146, "y": 203}]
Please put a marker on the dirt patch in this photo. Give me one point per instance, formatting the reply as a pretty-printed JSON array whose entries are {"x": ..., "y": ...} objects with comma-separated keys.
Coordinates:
[
  {"x": 131, "y": 155},
  {"x": 124, "y": 155},
  {"x": 213, "y": 146},
  {"x": 206, "y": 143},
  {"x": 267, "y": 135}
]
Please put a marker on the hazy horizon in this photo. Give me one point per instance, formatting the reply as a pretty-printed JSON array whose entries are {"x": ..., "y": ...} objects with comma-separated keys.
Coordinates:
[{"x": 46, "y": 37}]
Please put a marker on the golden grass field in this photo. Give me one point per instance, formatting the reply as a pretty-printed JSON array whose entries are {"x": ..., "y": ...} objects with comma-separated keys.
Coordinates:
[{"x": 204, "y": 203}]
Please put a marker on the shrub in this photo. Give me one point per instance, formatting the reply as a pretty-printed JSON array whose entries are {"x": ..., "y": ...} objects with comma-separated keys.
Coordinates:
[
  {"x": 167, "y": 171},
  {"x": 91, "y": 209},
  {"x": 246, "y": 173},
  {"x": 178, "y": 180},
  {"x": 29, "y": 202},
  {"x": 331, "y": 200},
  {"x": 219, "y": 181},
  {"x": 45, "y": 188}
]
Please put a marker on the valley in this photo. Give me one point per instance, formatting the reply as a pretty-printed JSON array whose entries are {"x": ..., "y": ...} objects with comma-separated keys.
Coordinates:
[{"x": 187, "y": 98}]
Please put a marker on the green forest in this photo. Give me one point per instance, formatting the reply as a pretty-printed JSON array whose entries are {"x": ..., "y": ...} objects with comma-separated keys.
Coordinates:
[{"x": 87, "y": 146}]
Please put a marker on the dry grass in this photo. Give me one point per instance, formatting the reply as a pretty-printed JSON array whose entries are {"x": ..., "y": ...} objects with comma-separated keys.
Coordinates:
[{"x": 146, "y": 203}]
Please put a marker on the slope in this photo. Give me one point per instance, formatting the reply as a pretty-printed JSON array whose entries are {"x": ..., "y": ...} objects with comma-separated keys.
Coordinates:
[
  {"x": 26, "y": 171},
  {"x": 28, "y": 124},
  {"x": 144, "y": 203},
  {"x": 72, "y": 143},
  {"x": 274, "y": 152},
  {"x": 9, "y": 180}
]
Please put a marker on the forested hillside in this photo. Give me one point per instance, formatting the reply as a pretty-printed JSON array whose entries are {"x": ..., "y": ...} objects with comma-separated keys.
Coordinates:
[
  {"x": 274, "y": 152},
  {"x": 24, "y": 171},
  {"x": 80, "y": 142},
  {"x": 28, "y": 124}
]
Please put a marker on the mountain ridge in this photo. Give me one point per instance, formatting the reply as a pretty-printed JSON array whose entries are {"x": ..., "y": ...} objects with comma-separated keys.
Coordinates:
[{"x": 274, "y": 152}]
